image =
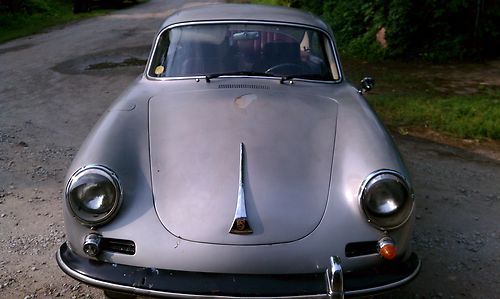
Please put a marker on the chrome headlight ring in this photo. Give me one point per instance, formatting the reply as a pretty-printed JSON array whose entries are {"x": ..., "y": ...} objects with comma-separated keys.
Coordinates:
[
  {"x": 94, "y": 195},
  {"x": 386, "y": 199}
]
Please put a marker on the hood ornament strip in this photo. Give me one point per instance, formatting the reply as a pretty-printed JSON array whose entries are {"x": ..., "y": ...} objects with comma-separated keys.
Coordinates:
[{"x": 240, "y": 221}]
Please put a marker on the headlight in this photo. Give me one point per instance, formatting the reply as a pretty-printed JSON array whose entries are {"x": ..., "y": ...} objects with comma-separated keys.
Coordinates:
[
  {"x": 94, "y": 195},
  {"x": 386, "y": 199}
]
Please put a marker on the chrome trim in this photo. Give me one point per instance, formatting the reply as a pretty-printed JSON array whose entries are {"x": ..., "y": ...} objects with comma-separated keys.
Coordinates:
[
  {"x": 335, "y": 278},
  {"x": 199, "y": 78},
  {"x": 92, "y": 244},
  {"x": 130, "y": 289},
  {"x": 116, "y": 182},
  {"x": 240, "y": 223},
  {"x": 410, "y": 194},
  {"x": 385, "y": 241},
  {"x": 327, "y": 34}
]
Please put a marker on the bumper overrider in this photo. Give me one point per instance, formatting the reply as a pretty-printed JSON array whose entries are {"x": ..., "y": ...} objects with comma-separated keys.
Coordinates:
[{"x": 333, "y": 283}]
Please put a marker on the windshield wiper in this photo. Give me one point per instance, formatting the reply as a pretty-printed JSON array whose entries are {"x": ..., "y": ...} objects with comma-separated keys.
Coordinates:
[
  {"x": 304, "y": 76},
  {"x": 244, "y": 73}
]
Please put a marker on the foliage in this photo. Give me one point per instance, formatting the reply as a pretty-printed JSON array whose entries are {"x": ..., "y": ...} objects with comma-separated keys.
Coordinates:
[
  {"x": 23, "y": 6},
  {"x": 24, "y": 17},
  {"x": 428, "y": 29}
]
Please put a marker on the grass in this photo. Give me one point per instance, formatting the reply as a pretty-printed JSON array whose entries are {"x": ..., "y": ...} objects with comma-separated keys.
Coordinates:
[
  {"x": 415, "y": 96},
  {"x": 471, "y": 117},
  {"x": 51, "y": 13}
]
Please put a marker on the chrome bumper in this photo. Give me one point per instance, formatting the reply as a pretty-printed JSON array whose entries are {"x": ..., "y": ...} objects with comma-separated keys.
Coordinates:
[
  {"x": 163, "y": 283},
  {"x": 335, "y": 279}
]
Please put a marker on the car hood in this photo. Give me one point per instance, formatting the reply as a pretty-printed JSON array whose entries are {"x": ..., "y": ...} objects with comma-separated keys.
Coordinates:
[{"x": 195, "y": 142}]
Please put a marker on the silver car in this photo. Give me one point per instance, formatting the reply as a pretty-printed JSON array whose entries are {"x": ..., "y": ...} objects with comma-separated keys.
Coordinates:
[{"x": 240, "y": 164}]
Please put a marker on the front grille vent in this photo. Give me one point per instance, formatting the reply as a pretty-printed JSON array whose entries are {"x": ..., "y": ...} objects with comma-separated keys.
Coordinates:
[
  {"x": 360, "y": 248},
  {"x": 249, "y": 86},
  {"x": 118, "y": 245}
]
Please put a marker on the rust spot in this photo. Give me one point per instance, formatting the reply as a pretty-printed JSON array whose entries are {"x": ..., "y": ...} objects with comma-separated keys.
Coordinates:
[{"x": 245, "y": 100}]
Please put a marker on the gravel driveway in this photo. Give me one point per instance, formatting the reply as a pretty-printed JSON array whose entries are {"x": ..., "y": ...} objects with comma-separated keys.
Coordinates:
[{"x": 55, "y": 85}]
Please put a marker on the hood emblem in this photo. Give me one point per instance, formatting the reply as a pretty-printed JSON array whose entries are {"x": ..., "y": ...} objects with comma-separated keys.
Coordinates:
[{"x": 240, "y": 222}]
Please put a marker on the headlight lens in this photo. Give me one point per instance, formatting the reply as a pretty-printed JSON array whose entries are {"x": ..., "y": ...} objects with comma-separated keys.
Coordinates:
[
  {"x": 94, "y": 195},
  {"x": 387, "y": 200}
]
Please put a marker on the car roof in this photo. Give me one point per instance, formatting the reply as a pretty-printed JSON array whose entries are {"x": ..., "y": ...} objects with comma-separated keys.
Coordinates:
[{"x": 245, "y": 12}]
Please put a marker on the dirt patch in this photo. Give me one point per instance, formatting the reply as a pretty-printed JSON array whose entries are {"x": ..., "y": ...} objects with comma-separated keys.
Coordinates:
[
  {"x": 485, "y": 147},
  {"x": 463, "y": 78},
  {"x": 15, "y": 48},
  {"x": 111, "y": 65},
  {"x": 104, "y": 60}
]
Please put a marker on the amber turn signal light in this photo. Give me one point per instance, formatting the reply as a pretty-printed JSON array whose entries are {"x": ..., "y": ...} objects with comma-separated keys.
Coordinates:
[{"x": 387, "y": 248}]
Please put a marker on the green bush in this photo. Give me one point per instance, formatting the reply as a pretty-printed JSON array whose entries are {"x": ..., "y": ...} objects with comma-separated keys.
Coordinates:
[
  {"x": 24, "y": 6},
  {"x": 24, "y": 17},
  {"x": 428, "y": 29}
]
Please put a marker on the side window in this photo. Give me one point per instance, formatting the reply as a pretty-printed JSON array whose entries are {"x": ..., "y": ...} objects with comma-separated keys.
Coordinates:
[
  {"x": 158, "y": 63},
  {"x": 331, "y": 58}
]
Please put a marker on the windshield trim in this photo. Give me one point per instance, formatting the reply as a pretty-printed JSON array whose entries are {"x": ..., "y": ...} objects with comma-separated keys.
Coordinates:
[
  {"x": 276, "y": 78},
  {"x": 181, "y": 24}
]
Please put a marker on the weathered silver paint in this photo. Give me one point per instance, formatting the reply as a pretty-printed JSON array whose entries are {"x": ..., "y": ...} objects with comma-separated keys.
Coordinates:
[
  {"x": 160, "y": 136},
  {"x": 361, "y": 146},
  {"x": 251, "y": 13},
  {"x": 288, "y": 145}
]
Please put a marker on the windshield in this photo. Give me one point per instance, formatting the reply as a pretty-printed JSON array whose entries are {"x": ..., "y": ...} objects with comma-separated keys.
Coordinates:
[{"x": 246, "y": 49}]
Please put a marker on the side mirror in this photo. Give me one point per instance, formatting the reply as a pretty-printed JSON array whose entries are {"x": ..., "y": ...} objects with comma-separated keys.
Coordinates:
[{"x": 367, "y": 84}]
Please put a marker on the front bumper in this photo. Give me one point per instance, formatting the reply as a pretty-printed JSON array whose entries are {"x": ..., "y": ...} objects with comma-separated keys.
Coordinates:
[{"x": 183, "y": 284}]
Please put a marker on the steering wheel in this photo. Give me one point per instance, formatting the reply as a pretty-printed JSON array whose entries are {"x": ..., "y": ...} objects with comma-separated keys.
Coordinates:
[{"x": 285, "y": 69}]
